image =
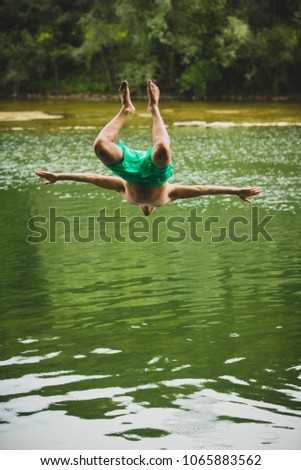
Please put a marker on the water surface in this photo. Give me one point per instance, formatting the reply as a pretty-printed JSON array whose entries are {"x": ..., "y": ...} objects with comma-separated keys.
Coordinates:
[{"x": 170, "y": 342}]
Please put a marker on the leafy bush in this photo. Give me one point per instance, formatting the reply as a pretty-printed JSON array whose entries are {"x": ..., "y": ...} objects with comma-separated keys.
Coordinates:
[{"x": 196, "y": 78}]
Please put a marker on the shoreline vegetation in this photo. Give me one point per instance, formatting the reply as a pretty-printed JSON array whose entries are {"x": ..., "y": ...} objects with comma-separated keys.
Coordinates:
[
  {"x": 110, "y": 97},
  {"x": 217, "y": 50}
]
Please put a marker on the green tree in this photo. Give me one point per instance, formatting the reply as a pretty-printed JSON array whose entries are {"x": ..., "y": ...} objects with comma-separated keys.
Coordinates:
[{"x": 191, "y": 47}]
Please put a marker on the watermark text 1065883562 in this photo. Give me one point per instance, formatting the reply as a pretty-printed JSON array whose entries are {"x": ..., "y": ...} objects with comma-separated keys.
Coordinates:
[{"x": 110, "y": 227}]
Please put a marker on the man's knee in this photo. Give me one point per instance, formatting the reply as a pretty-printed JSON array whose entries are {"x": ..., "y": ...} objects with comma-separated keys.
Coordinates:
[
  {"x": 100, "y": 148},
  {"x": 161, "y": 155}
]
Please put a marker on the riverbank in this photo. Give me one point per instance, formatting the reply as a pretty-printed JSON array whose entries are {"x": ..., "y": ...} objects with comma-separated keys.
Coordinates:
[
  {"x": 76, "y": 113},
  {"x": 142, "y": 97}
]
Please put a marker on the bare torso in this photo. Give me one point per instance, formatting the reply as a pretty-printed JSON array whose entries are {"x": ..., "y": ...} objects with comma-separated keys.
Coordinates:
[{"x": 147, "y": 196}]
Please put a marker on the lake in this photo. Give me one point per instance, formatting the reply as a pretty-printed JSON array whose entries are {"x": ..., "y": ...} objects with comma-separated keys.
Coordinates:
[{"x": 177, "y": 331}]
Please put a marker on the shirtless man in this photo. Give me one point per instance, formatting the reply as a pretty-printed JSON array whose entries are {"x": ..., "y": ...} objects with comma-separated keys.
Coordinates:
[{"x": 141, "y": 177}]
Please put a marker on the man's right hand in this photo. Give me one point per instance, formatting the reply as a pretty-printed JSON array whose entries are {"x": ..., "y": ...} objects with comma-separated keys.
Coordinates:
[{"x": 51, "y": 178}]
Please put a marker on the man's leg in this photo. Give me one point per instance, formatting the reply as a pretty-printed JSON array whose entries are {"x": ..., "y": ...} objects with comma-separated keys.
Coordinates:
[
  {"x": 161, "y": 155},
  {"x": 104, "y": 146}
]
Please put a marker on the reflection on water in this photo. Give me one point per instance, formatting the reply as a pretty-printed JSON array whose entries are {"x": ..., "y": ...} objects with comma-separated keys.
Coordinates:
[{"x": 155, "y": 344}]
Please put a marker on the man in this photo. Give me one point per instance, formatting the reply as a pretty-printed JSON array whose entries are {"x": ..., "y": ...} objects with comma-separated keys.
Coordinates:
[{"x": 141, "y": 177}]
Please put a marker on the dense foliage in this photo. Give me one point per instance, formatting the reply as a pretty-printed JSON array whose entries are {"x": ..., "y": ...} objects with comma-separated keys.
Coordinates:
[{"x": 191, "y": 47}]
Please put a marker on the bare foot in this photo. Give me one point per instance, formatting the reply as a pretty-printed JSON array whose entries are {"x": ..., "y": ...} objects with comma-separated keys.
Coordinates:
[
  {"x": 124, "y": 93},
  {"x": 246, "y": 193},
  {"x": 153, "y": 95}
]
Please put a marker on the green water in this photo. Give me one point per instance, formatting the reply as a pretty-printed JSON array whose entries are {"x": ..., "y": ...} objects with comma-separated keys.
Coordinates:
[{"x": 165, "y": 342}]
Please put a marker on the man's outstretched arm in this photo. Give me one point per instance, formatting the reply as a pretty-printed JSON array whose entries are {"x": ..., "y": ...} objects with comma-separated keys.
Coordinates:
[
  {"x": 184, "y": 192},
  {"x": 106, "y": 182}
]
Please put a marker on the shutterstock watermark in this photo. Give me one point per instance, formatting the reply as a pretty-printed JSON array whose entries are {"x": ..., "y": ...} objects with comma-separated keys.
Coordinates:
[{"x": 108, "y": 227}]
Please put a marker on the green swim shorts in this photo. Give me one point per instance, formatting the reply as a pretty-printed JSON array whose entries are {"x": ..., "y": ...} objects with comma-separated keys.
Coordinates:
[{"x": 136, "y": 167}]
